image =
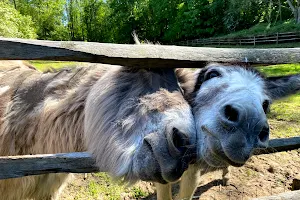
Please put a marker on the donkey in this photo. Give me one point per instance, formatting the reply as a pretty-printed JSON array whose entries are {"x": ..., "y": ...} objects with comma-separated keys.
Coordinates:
[
  {"x": 135, "y": 122},
  {"x": 229, "y": 103}
]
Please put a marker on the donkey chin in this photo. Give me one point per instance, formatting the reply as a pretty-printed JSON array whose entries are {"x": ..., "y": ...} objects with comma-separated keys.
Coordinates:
[{"x": 150, "y": 162}]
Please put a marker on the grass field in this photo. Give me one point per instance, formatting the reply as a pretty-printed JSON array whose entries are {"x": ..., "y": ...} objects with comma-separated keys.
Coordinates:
[
  {"x": 265, "y": 28},
  {"x": 259, "y": 46},
  {"x": 284, "y": 117},
  {"x": 52, "y": 65},
  {"x": 284, "y": 120}
]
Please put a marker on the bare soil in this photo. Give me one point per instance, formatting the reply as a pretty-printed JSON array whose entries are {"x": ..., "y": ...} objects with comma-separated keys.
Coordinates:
[{"x": 263, "y": 175}]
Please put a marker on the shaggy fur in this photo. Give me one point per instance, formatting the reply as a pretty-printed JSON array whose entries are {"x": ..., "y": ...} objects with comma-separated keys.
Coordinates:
[
  {"x": 30, "y": 125},
  {"x": 107, "y": 110}
]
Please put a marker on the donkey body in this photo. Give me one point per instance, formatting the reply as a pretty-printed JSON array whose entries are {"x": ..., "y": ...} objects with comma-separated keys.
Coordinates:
[
  {"x": 135, "y": 122},
  {"x": 229, "y": 104}
]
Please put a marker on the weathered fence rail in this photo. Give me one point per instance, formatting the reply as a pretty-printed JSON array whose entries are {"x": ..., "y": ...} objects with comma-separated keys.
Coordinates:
[
  {"x": 81, "y": 162},
  {"x": 145, "y": 56},
  {"x": 251, "y": 40},
  {"x": 25, "y": 165}
]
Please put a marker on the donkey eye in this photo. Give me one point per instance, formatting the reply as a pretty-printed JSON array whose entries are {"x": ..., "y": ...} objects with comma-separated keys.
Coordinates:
[
  {"x": 212, "y": 74},
  {"x": 266, "y": 106}
]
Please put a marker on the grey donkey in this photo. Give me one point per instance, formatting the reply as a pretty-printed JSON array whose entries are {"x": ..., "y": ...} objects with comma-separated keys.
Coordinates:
[{"x": 229, "y": 103}]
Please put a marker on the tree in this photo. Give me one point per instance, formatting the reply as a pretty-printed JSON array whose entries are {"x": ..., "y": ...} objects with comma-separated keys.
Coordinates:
[
  {"x": 295, "y": 8},
  {"x": 48, "y": 17},
  {"x": 13, "y": 24},
  {"x": 243, "y": 14}
]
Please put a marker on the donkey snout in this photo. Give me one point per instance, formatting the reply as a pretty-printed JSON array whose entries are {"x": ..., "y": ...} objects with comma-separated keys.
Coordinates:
[
  {"x": 182, "y": 145},
  {"x": 180, "y": 140},
  {"x": 248, "y": 120},
  {"x": 263, "y": 136},
  {"x": 231, "y": 114}
]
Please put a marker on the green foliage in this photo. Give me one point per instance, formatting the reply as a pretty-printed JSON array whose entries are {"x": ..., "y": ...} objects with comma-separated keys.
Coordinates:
[
  {"x": 48, "y": 16},
  {"x": 13, "y": 24},
  {"x": 163, "y": 21}
]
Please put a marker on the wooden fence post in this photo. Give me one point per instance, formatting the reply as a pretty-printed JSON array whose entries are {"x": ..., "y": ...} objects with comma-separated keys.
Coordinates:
[
  {"x": 277, "y": 36},
  {"x": 254, "y": 40}
]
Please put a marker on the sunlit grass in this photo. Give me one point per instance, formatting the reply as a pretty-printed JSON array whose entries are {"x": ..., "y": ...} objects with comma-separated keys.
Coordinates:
[
  {"x": 52, "y": 65},
  {"x": 265, "y": 28},
  {"x": 285, "y": 113},
  {"x": 280, "y": 70},
  {"x": 102, "y": 187}
]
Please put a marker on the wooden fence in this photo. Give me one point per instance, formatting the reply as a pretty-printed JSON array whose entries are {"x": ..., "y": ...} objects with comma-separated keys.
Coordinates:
[
  {"x": 276, "y": 38},
  {"x": 143, "y": 56}
]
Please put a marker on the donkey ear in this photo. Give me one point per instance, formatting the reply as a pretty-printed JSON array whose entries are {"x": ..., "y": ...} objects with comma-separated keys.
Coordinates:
[{"x": 282, "y": 86}]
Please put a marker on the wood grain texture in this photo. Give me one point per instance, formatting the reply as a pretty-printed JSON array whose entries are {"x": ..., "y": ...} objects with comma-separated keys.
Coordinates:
[
  {"x": 18, "y": 166},
  {"x": 278, "y": 145},
  {"x": 292, "y": 195},
  {"x": 82, "y": 162},
  {"x": 143, "y": 56}
]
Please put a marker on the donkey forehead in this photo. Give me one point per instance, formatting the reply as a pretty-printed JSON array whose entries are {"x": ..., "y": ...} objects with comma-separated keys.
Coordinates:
[
  {"x": 238, "y": 80},
  {"x": 163, "y": 100}
]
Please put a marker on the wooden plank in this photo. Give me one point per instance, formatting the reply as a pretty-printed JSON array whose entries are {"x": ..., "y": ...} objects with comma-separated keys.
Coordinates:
[
  {"x": 281, "y": 144},
  {"x": 146, "y": 56},
  {"x": 18, "y": 166},
  {"x": 82, "y": 162},
  {"x": 291, "y": 195}
]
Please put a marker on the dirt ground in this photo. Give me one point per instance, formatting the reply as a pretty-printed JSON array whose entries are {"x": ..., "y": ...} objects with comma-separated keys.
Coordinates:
[{"x": 263, "y": 175}]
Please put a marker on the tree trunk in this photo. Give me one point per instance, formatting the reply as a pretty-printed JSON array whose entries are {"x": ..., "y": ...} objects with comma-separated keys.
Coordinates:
[
  {"x": 280, "y": 13},
  {"x": 295, "y": 10},
  {"x": 15, "y": 4},
  {"x": 298, "y": 15}
]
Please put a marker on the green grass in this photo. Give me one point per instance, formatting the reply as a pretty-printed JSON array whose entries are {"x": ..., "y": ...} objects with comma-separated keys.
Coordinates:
[
  {"x": 52, "y": 65},
  {"x": 278, "y": 70},
  {"x": 285, "y": 113},
  {"x": 138, "y": 193},
  {"x": 101, "y": 186},
  {"x": 264, "y": 28},
  {"x": 282, "y": 45}
]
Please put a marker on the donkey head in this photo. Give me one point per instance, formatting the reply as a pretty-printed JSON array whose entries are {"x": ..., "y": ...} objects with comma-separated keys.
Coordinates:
[
  {"x": 230, "y": 105},
  {"x": 139, "y": 126}
]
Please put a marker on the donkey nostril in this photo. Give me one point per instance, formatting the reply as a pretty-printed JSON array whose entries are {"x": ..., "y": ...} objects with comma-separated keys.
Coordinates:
[
  {"x": 180, "y": 140},
  {"x": 264, "y": 134},
  {"x": 231, "y": 113}
]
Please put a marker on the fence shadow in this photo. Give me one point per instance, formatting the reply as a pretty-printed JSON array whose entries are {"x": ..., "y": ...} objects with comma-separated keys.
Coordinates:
[
  {"x": 204, "y": 188},
  {"x": 200, "y": 190}
]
